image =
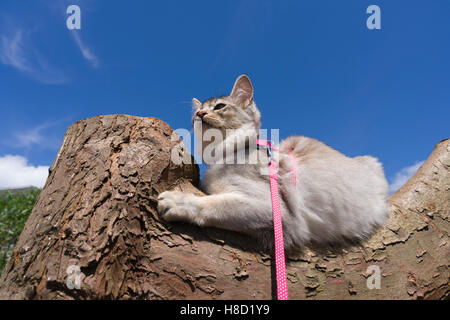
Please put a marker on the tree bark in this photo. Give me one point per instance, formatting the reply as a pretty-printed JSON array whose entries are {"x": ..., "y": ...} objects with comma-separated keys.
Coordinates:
[{"x": 94, "y": 232}]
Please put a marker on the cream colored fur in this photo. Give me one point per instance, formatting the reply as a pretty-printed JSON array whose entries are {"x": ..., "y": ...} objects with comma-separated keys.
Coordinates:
[{"x": 335, "y": 197}]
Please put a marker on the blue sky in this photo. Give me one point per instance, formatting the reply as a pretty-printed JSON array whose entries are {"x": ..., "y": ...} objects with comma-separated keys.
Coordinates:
[{"x": 317, "y": 70}]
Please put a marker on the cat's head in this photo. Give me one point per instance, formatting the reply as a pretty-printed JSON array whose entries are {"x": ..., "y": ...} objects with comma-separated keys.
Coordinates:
[{"x": 236, "y": 111}]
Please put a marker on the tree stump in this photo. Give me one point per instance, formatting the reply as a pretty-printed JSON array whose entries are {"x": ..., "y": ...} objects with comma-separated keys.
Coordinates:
[{"x": 94, "y": 232}]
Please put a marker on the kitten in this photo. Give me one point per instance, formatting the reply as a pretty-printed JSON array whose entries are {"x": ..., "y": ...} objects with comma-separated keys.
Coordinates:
[{"x": 334, "y": 197}]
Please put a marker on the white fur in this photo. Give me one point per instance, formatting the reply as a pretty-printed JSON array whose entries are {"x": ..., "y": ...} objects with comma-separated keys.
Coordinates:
[{"x": 335, "y": 197}]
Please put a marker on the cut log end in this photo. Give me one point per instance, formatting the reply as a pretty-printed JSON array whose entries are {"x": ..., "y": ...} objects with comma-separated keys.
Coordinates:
[{"x": 94, "y": 232}]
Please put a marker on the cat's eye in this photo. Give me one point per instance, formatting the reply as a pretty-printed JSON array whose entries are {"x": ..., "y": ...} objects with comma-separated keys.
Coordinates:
[{"x": 219, "y": 106}]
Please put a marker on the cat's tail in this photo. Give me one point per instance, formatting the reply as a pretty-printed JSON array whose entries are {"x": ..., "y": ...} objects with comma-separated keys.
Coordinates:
[
  {"x": 371, "y": 163},
  {"x": 376, "y": 167},
  {"x": 377, "y": 186}
]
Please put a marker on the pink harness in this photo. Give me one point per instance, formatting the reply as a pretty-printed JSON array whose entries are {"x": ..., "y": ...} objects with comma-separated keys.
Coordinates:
[{"x": 282, "y": 289}]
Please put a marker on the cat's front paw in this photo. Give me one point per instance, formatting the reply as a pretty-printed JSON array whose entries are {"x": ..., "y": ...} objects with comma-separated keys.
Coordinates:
[{"x": 175, "y": 206}]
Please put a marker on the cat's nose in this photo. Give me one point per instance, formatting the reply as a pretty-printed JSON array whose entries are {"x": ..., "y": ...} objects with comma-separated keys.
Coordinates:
[{"x": 201, "y": 114}]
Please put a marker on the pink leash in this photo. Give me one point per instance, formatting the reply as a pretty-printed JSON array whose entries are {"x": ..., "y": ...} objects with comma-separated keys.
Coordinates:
[{"x": 282, "y": 289}]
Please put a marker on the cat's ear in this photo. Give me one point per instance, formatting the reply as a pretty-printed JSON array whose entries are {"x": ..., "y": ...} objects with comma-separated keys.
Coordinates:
[
  {"x": 242, "y": 91},
  {"x": 196, "y": 103}
]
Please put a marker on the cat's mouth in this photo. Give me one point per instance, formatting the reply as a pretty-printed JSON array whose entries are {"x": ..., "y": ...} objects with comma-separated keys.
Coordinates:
[
  {"x": 205, "y": 125},
  {"x": 205, "y": 122}
]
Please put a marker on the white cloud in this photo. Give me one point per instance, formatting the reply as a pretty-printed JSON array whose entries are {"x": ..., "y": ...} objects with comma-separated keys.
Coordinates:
[
  {"x": 15, "y": 172},
  {"x": 30, "y": 137},
  {"x": 12, "y": 52},
  {"x": 43, "y": 135},
  {"x": 404, "y": 175},
  {"x": 16, "y": 50},
  {"x": 85, "y": 51}
]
